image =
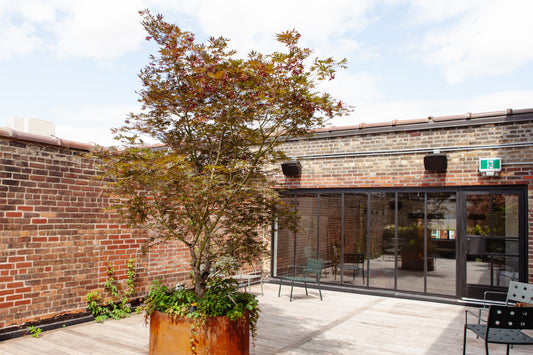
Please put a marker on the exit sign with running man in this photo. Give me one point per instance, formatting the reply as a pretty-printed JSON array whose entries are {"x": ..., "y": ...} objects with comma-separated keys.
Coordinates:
[{"x": 487, "y": 165}]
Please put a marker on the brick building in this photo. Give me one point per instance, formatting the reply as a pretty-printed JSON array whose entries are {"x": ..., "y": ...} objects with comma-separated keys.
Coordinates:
[
  {"x": 376, "y": 192},
  {"x": 368, "y": 204}
]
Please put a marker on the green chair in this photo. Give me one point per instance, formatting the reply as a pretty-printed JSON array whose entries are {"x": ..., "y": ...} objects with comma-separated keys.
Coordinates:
[{"x": 310, "y": 274}]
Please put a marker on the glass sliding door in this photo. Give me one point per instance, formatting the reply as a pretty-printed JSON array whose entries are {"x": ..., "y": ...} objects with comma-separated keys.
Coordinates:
[
  {"x": 330, "y": 233},
  {"x": 381, "y": 241},
  {"x": 306, "y": 240},
  {"x": 492, "y": 241},
  {"x": 442, "y": 240},
  {"x": 412, "y": 242},
  {"x": 452, "y": 242},
  {"x": 283, "y": 248},
  {"x": 351, "y": 258}
]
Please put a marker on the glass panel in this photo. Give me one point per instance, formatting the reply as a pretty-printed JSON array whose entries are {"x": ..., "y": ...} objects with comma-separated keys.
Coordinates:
[
  {"x": 330, "y": 232},
  {"x": 492, "y": 261},
  {"x": 492, "y": 240},
  {"x": 411, "y": 242},
  {"x": 441, "y": 225},
  {"x": 505, "y": 215},
  {"x": 381, "y": 272},
  {"x": 352, "y": 263},
  {"x": 306, "y": 237},
  {"x": 284, "y": 245},
  {"x": 478, "y": 214}
]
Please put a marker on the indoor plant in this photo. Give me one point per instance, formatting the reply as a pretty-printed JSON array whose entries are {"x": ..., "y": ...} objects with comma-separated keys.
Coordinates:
[{"x": 221, "y": 121}]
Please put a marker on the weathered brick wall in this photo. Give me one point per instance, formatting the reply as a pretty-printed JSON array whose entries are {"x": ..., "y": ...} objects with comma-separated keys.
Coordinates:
[
  {"x": 394, "y": 157},
  {"x": 57, "y": 238},
  {"x": 391, "y": 159}
]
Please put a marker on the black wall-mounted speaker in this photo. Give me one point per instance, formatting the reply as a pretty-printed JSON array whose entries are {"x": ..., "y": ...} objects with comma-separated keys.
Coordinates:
[
  {"x": 436, "y": 162},
  {"x": 291, "y": 168}
]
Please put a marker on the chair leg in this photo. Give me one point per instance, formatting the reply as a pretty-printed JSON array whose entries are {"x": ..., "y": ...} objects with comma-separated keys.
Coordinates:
[
  {"x": 507, "y": 349},
  {"x": 464, "y": 342},
  {"x": 279, "y": 292},
  {"x": 292, "y": 286},
  {"x": 320, "y": 291},
  {"x": 305, "y": 285}
]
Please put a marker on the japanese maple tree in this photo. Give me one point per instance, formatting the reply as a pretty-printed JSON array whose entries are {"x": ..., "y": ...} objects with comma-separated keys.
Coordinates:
[{"x": 220, "y": 120}]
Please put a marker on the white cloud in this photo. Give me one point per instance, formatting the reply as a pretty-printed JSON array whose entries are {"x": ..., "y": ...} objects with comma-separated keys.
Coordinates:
[
  {"x": 436, "y": 11},
  {"x": 90, "y": 124},
  {"x": 371, "y": 111},
  {"x": 100, "y": 29},
  {"x": 17, "y": 40},
  {"x": 476, "y": 38},
  {"x": 252, "y": 25},
  {"x": 18, "y": 24}
]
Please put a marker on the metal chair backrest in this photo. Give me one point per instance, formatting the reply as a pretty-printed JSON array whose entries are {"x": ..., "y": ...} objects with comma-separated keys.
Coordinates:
[
  {"x": 354, "y": 258},
  {"x": 314, "y": 267},
  {"x": 519, "y": 292},
  {"x": 510, "y": 317},
  {"x": 308, "y": 252}
]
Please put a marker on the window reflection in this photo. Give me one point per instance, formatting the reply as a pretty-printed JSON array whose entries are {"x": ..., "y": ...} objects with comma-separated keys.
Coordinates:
[{"x": 492, "y": 239}]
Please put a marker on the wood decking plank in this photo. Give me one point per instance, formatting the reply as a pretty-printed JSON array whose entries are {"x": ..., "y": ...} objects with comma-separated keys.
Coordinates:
[{"x": 343, "y": 323}]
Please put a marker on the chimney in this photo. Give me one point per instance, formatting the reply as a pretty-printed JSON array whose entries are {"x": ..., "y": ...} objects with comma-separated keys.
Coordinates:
[{"x": 32, "y": 125}]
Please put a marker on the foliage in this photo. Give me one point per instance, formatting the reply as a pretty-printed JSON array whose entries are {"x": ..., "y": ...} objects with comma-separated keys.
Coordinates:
[
  {"x": 116, "y": 307},
  {"x": 220, "y": 299},
  {"x": 410, "y": 239},
  {"x": 221, "y": 121},
  {"x": 34, "y": 331}
]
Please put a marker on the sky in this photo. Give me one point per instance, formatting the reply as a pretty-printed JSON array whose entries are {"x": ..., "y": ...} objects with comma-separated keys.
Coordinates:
[{"x": 76, "y": 62}]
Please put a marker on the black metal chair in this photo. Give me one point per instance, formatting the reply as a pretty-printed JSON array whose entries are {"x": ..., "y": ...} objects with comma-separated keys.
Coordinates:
[{"x": 504, "y": 325}]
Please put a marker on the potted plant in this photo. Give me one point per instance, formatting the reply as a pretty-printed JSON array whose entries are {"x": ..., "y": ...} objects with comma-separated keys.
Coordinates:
[
  {"x": 411, "y": 246},
  {"x": 219, "y": 122}
]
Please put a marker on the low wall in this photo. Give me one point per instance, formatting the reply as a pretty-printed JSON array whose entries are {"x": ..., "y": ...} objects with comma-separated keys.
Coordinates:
[{"x": 57, "y": 237}]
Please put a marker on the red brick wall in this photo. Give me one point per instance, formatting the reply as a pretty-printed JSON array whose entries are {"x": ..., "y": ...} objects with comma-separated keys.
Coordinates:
[
  {"x": 394, "y": 157},
  {"x": 57, "y": 238}
]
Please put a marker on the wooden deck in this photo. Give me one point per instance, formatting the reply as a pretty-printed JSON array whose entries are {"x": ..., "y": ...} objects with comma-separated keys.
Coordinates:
[{"x": 342, "y": 323}]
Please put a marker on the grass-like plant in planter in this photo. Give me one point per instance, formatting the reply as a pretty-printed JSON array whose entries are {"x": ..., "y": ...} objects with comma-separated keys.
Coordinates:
[{"x": 221, "y": 121}]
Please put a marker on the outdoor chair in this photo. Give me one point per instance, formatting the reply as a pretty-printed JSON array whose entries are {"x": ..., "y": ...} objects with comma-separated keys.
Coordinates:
[
  {"x": 517, "y": 292},
  {"x": 244, "y": 279},
  {"x": 310, "y": 274},
  {"x": 355, "y": 262},
  {"x": 504, "y": 325},
  {"x": 309, "y": 252}
]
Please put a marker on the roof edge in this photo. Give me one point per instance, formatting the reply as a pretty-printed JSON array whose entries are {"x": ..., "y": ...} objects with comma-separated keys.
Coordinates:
[
  {"x": 426, "y": 122},
  {"x": 49, "y": 140}
]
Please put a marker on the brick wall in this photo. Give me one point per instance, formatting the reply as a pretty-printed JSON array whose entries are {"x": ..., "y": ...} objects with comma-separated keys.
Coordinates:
[
  {"x": 57, "y": 238},
  {"x": 393, "y": 156},
  {"x": 391, "y": 159}
]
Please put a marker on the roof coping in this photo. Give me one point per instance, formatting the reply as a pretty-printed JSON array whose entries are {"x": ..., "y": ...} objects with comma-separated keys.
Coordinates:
[
  {"x": 429, "y": 119},
  {"x": 37, "y": 138}
]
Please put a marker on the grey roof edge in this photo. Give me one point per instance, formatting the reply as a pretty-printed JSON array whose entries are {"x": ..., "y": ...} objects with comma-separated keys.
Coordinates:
[
  {"x": 49, "y": 140},
  {"x": 430, "y": 122}
]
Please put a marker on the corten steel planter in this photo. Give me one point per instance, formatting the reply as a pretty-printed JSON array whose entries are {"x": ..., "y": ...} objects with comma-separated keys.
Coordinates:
[{"x": 220, "y": 335}]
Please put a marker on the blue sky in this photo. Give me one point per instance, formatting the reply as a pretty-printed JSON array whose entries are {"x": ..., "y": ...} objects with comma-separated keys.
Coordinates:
[{"x": 75, "y": 62}]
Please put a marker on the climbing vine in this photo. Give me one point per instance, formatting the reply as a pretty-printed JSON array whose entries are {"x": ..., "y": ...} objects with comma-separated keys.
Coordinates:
[{"x": 115, "y": 307}]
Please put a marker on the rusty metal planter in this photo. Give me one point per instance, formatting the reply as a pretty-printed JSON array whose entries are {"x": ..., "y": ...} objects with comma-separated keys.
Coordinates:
[{"x": 220, "y": 335}]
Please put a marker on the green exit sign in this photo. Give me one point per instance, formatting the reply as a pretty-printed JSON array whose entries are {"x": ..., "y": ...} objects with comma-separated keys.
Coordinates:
[{"x": 490, "y": 165}]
